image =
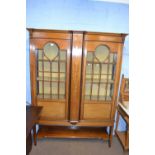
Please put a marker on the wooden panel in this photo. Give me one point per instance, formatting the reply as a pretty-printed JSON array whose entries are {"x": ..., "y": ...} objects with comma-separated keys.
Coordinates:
[
  {"x": 95, "y": 123},
  {"x": 91, "y": 45},
  {"x": 76, "y": 77},
  {"x": 48, "y": 121},
  {"x": 33, "y": 73},
  {"x": 37, "y": 33},
  {"x": 117, "y": 79},
  {"x": 107, "y": 38},
  {"x": 97, "y": 111},
  {"x": 52, "y": 110},
  {"x": 62, "y": 44}
]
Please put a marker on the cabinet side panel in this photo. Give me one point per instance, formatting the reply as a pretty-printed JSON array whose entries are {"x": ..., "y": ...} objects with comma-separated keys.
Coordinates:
[
  {"x": 117, "y": 78},
  {"x": 33, "y": 72}
]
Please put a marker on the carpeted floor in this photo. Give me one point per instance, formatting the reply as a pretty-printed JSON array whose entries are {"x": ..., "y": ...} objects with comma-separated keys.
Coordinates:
[{"x": 77, "y": 147}]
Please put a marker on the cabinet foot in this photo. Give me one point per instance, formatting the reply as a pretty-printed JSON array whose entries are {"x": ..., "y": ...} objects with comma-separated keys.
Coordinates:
[
  {"x": 34, "y": 135},
  {"x": 110, "y": 136}
]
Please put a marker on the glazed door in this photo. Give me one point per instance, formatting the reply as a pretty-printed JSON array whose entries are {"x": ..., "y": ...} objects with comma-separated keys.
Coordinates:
[
  {"x": 98, "y": 80},
  {"x": 50, "y": 70}
]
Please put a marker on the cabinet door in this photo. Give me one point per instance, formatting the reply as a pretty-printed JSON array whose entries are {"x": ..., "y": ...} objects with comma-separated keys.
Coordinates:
[
  {"x": 98, "y": 81},
  {"x": 50, "y": 63}
]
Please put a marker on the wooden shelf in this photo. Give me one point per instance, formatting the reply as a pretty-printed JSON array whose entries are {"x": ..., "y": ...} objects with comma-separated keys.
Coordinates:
[
  {"x": 122, "y": 138},
  {"x": 51, "y": 96},
  {"x": 109, "y": 81},
  {"x": 41, "y": 60},
  {"x": 52, "y": 79},
  {"x": 103, "y": 63},
  {"x": 72, "y": 132},
  {"x": 98, "y": 98}
]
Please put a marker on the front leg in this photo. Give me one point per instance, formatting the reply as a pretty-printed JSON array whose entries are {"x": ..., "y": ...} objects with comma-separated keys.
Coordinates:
[
  {"x": 110, "y": 135},
  {"x": 34, "y": 135}
]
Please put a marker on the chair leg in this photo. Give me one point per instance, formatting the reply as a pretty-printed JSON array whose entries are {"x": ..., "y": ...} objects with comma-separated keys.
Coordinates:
[{"x": 34, "y": 135}]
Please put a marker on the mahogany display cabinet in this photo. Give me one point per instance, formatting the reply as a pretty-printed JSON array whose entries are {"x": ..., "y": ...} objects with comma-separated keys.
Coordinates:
[{"x": 75, "y": 78}]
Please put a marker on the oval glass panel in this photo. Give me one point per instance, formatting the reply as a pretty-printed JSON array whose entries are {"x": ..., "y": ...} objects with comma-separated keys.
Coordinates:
[
  {"x": 51, "y": 50},
  {"x": 101, "y": 53}
]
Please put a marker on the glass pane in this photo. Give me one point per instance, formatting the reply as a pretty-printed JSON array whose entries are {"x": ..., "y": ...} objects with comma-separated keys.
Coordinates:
[
  {"x": 88, "y": 89},
  {"x": 62, "y": 67},
  {"x": 88, "y": 77},
  {"x": 47, "y": 75},
  {"x": 96, "y": 68},
  {"x": 62, "y": 88},
  {"x": 89, "y": 68},
  {"x": 103, "y": 78},
  {"x": 111, "y": 89},
  {"x": 104, "y": 69},
  {"x": 110, "y": 78},
  {"x": 62, "y": 76},
  {"x": 87, "y": 97},
  {"x": 40, "y": 74},
  {"x": 39, "y": 66},
  {"x": 110, "y": 69},
  {"x": 102, "y": 91},
  {"x": 54, "y": 66},
  {"x": 55, "y": 76},
  {"x": 47, "y": 66},
  {"x": 51, "y": 50},
  {"x": 96, "y": 78},
  {"x": 54, "y": 88},
  {"x": 63, "y": 55},
  {"x": 94, "y": 89},
  {"x": 102, "y": 53},
  {"x": 108, "y": 89},
  {"x": 46, "y": 87}
]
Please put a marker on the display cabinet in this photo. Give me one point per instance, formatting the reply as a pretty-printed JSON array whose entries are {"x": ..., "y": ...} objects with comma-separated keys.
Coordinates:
[{"x": 75, "y": 78}]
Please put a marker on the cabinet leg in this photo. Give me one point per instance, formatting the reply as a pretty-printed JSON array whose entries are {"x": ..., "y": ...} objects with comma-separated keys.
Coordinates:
[
  {"x": 110, "y": 135},
  {"x": 34, "y": 135}
]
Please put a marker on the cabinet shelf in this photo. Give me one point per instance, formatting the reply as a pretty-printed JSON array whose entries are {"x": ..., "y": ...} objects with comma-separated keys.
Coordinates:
[
  {"x": 40, "y": 71},
  {"x": 53, "y": 79},
  {"x": 42, "y": 60},
  {"x": 101, "y": 81},
  {"x": 68, "y": 132},
  {"x": 98, "y": 97},
  {"x": 103, "y": 63},
  {"x": 99, "y": 74},
  {"x": 51, "y": 96}
]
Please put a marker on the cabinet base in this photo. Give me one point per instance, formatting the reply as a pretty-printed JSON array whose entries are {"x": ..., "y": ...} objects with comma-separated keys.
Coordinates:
[{"x": 72, "y": 132}]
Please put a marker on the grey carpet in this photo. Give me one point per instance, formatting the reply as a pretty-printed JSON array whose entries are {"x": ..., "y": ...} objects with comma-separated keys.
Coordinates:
[{"x": 77, "y": 147}]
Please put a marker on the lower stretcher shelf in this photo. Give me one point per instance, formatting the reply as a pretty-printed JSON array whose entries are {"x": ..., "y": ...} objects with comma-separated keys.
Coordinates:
[{"x": 72, "y": 132}]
